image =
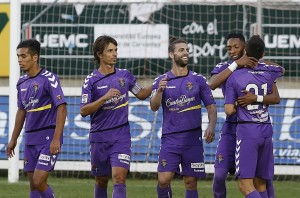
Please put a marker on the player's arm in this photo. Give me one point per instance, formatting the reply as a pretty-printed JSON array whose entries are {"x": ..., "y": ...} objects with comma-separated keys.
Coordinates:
[
  {"x": 230, "y": 109},
  {"x": 218, "y": 79},
  {"x": 156, "y": 99},
  {"x": 19, "y": 122},
  {"x": 212, "y": 120},
  {"x": 61, "y": 113},
  {"x": 92, "y": 107},
  {"x": 250, "y": 98},
  {"x": 144, "y": 93}
]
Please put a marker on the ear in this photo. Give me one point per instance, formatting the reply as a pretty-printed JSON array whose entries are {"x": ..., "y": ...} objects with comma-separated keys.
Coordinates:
[
  {"x": 35, "y": 58},
  {"x": 171, "y": 55},
  {"x": 99, "y": 55}
]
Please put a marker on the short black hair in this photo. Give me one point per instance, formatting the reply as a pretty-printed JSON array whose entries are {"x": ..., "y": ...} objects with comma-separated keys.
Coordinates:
[
  {"x": 100, "y": 44},
  {"x": 255, "y": 47},
  {"x": 173, "y": 41},
  {"x": 236, "y": 35},
  {"x": 33, "y": 45}
]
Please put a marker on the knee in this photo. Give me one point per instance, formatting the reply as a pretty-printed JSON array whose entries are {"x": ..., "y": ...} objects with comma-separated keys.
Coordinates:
[
  {"x": 119, "y": 178},
  {"x": 164, "y": 182},
  {"x": 101, "y": 182},
  {"x": 190, "y": 183},
  {"x": 37, "y": 184}
]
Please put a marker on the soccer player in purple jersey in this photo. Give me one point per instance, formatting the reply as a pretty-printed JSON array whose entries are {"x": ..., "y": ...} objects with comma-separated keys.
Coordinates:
[
  {"x": 254, "y": 147},
  {"x": 105, "y": 98},
  {"x": 42, "y": 103},
  {"x": 180, "y": 92},
  {"x": 225, "y": 154}
]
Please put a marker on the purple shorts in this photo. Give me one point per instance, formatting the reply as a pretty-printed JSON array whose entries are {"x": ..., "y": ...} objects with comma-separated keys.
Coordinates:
[
  {"x": 105, "y": 155},
  {"x": 254, "y": 158},
  {"x": 38, "y": 157},
  {"x": 191, "y": 159}
]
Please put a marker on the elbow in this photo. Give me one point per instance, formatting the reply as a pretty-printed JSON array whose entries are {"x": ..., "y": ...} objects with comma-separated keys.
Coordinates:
[
  {"x": 212, "y": 86},
  {"x": 277, "y": 101},
  {"x": 83, "y": 113}
]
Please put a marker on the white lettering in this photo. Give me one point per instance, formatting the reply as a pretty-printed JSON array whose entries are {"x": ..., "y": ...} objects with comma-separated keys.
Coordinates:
[
  {"x": 282, "y": 41},
  {"x": 61, "y": 40}
]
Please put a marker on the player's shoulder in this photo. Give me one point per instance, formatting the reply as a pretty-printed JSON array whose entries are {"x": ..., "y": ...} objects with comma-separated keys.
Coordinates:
[
  {"x": 269, "y": 67},
  {"x": 123, "y": 72},
  {"x": 49, "y": 77},
  {"x": 197, "y": 76},
  {"x": 22, "y": 79},
  {"x": 90, "y": 78},
  {"x": 224, "y": 63}
]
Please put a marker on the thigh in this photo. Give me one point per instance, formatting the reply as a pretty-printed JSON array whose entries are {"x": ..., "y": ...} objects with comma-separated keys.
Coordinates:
[
  {"x": 193, "y": 161},
  {"x": 100, "y": 160},
  {"x": 225, "y": 154},
  {"x": 120, "y": 153},
  {"x": 265, "y": 164},
  {"x": 247, "y": 157},
  {"x": 46, "y": 161},
  {"x": 30, "y": 158},
  {"x": 169, "y": 158}
]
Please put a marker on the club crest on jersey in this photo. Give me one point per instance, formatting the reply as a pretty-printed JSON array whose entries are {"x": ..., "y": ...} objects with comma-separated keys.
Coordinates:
[
  {"x": 189, "y": 86},
  {"x": 25, "y": 161},
  {"x": 121, "y": 82},
  {"x": 220, "y": 158},
  {"x": 35, "y": 87},
  {"x": 58, "y": 97},
  {"x": 164, "y": 163}
]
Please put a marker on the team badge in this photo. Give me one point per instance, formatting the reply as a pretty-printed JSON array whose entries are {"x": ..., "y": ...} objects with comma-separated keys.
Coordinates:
[
  {"x": 58, "y": 97},
  {"x": 35, "y": 87},
  {"x": 189, "y": 86},
  {"x": 121, "y": 82},
  {"x": 220, "y": 158},
  {"x": 25, "y": 162},
  {"x": 164, "y": 163}
]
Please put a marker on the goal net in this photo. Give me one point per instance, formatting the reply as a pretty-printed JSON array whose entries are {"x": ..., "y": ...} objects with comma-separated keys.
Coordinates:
[{"x": 67, "y": 31}]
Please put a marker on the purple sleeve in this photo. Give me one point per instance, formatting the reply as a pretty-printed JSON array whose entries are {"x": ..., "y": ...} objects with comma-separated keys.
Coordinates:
[
  {"x": 219, "y": 67},
  {"x": 86, "y": 91},
  {"x": 132, "y": 82},
  {"x": 205, "y": 93},
  {"x": 230, "y": 95},
  {"x": 56, "y": 92},
  {"x": 19, "y": 101}
]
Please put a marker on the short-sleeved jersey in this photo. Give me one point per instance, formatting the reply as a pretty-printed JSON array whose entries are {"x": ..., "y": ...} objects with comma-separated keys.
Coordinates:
[
  {"x": 218, "y": 69},
  {"x": 39, "y": 96},
  {"x": 259, "y": 81},
  {"x": 181, "y": 103},
  {"x": 112, "y": 116}
]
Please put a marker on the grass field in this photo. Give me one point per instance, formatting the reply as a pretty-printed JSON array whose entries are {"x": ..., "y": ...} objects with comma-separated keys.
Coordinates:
[{"x": 136, "y": 188}]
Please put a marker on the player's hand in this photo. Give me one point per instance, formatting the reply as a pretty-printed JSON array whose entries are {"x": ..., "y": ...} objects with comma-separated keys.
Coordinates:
[
  {"x": 10, "y": 149},
  {"x": 54, "y": 147},
  {"x": 111, "y": 93},
  {"x": 246, "y": 61},
  {"x": 162, "y": 84},
  {"x": 246, "y": 99},
  {"x": 209, "y": 135}
]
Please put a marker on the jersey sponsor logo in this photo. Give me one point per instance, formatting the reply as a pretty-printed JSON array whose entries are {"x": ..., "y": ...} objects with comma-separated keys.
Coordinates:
[
  {"x": 197, "y": 165},
  {"x": 84, "y": 98},
  {"x": 170, "y": 87},
  {"x": 102, "y": 87},
  {"x": 179, "y": 101},
  {"x": 125, "y": 162},
  {"x": 43, "y": 163},
  {"x": 31, "y": 102},
  {"x": 124, "y": 157},
  {"x": 23, "y": 89},
  {"x": 44, "y": 157}
]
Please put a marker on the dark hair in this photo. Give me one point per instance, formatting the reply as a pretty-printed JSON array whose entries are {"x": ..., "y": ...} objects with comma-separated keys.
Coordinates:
[
  {"x": 34, "y": 46},
  {"x": 100, "y": 44},
  {"x": 236, "y": 35},
  {"x": 255, "y": 47},
  {"x": 173, "y": 41}
]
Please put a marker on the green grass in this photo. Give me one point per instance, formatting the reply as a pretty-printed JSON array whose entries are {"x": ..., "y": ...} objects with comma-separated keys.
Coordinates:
[{"x": 136, "y": 188}]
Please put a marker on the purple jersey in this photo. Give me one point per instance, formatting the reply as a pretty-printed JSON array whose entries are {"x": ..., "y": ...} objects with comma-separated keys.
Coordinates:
[
  {"x": 39, "y": 96},
  {"x": 112, "y": 116},
  {"x": 181, "y": 103},
  {"x": 259, "y": 81},
  {"x": 218, "y": 69}
]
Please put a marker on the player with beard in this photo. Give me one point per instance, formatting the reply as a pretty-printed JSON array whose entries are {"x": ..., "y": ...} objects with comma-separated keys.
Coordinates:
[{"x": 180, "y": 93}]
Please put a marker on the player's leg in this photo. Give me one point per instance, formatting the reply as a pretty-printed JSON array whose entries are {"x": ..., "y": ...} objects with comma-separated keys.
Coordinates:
[
  {"x": 101, "y": 168},
  {"x": 225, "y": 159},
  {"x": 265, "y": 165},
  {"x": 46, "y": 163},
  {"x": 30, "y": 161},
  {"x": 270, "y": 188},
  {"x": 193, "y": 167},
  {"x": 168, "y": 164},
  {"x": 246, "y": 165},
  {"x": 120, "y": 162}
]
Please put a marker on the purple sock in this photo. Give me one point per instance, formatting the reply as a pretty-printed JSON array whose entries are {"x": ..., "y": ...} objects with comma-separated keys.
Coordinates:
[
  {"x": 35, "y": 194},
  {"x": 48, "y": 193},
  {"x": 100, "y": 192},
  {"x": 253, "y": 194},
  {"x": 191, "y": 194},
  {"x": 219, "y": 185},
  {"x": 270, "y": 188},
  {"x": 263, "y": 194},
  {"x": 119, "y": 191},
  {"x": 164, "y": 192}
]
